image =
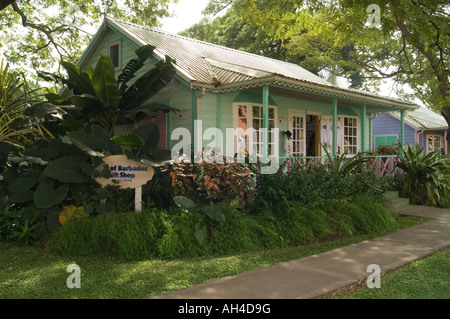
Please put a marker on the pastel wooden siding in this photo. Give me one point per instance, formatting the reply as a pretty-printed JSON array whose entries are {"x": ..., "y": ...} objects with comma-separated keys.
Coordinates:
[
  {"x": 385, "y": 124},
  {"x": 208, "y": 114},
  {"x": 161, "y": 121},
  {"x": 179, "y": 96},
  {"x": 127, "y": 52}
]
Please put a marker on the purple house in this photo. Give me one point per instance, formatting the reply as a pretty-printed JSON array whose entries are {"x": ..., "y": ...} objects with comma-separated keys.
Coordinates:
[{"x": 422, "y": 126}]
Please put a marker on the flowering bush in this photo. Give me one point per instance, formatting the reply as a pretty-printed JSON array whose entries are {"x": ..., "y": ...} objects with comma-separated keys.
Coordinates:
[{"x": 212, "y": 181}]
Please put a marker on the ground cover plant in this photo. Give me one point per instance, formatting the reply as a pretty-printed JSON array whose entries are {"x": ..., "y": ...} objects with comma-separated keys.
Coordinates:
[
  {"x": 202, "y": 230},
  {"x": 31, "y": 273}
]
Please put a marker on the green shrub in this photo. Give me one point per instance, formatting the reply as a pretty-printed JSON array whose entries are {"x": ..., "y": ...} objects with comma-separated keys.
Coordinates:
[
  {"x": 174, "y": 234},
  {"x": 243, "y": 232},
  {"x": 363, "y": 216},
  {"x": 445, "y": 201},
  {"x": 207, "y": 181},
  {"x": 179, "y": 241},
  {"x": 299, "y": 225},
  {"x": 312, "y": 187},
  {"x": 394, "y": 183},
  {"x": 240, "y": 232},
  {"x": 21, "y": 226},
  {"x": 426, "y": 175},
  {"x": 131, "y": 236},
  {"x": 386, "y": 150}
]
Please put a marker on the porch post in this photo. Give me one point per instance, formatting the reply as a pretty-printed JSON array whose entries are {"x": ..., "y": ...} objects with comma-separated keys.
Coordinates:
[
  {"x": 266, "y": 121},
  {"x": 445, "y": 142},
  {"x": 168, "y": 130},
  {"x": 219, "y": 110},
  {"x": 194, "y": 118},
  {"x": 334, "y": 113},
  {"x": 363, "y": 126},
  {"x": 402, "y": 128}
]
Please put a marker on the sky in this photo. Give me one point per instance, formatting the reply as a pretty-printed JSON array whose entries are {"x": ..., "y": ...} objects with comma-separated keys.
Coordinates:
[{"x": 187, "y": 13}]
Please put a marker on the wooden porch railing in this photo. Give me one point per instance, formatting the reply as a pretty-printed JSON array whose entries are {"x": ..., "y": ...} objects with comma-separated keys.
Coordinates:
[{"x": 381, "y": 165}]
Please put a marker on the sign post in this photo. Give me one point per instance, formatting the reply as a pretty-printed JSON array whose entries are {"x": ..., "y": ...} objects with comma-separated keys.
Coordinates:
[
  {"x": 138, "y": 199},
  {"x": 126, "y": 173}
]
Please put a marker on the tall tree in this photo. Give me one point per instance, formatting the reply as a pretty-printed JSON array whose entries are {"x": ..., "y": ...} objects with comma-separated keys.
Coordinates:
[
  {"x": 240, "y": 30},
  {"x": 37, "y": 34},
  {"x": 403, "y": 40}
]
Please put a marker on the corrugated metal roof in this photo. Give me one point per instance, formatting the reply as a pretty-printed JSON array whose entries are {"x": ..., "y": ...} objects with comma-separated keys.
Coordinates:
[
  {"x": 190, "y": 55},
  {"x": 425, "y": 119},
  {"x": 219, "y": 67}
]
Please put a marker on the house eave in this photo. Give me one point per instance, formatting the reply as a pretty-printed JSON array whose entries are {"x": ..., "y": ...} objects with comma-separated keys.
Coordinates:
[
  {"x": 331, "y": 90},
  {"x": 442, "y": 128}
]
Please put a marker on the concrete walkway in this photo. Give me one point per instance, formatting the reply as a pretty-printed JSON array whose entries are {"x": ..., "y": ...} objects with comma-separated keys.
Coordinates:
[{"x": 318, "y": 275}]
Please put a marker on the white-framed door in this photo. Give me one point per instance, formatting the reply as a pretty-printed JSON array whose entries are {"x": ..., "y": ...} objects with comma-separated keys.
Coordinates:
[{"x": 297, "y": 126}]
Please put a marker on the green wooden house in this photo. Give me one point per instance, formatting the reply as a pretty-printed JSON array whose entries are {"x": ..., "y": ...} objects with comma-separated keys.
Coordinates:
[{"x": 219, "y": 87}]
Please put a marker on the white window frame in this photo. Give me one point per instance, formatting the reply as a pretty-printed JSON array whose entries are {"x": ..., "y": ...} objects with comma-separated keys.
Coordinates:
[
  {"x": 436, "y": 137},
  {"x": 117, "y": 43},
  {"x": 301, "y": 114},
  {"x": 358, "y": 135},
  {"x": 250, "y": 120}
]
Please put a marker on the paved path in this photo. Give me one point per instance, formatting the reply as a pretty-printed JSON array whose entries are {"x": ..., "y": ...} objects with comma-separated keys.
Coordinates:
[{"x": 317, "y": 275}]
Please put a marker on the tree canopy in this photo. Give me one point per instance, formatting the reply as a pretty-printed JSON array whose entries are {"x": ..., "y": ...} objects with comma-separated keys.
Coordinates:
[
  {"x": 367, "y": 40},
  {"x": 38, "y": 34}
]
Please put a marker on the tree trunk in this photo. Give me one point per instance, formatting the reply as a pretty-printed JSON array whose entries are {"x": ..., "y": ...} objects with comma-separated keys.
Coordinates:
[
  {"x": 5, "y": 3},
  {"x": 446, "y": 114}
]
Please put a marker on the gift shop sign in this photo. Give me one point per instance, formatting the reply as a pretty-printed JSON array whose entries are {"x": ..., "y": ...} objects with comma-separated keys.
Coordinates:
[{"x": 126, "y": 173}]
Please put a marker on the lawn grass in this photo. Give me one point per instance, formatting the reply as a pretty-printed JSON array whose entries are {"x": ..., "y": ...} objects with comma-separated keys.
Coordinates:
[
  {"x": 30, "y": 273},
  {"x": 427, "y": 278}
]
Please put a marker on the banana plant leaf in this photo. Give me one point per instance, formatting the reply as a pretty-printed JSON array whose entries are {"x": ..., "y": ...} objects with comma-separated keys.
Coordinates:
[
  {"x": 149, "y": 134},
  {"x": 148, "y": 85},
  {"x": 104, "y": 82},
  {"x": 87, "y": 102},
  {"x": 48, "y": 111},
  {"x": 133, "y": 66},
  {"x": 88, "y": 143},
  {"x": 79, "y": 80}
]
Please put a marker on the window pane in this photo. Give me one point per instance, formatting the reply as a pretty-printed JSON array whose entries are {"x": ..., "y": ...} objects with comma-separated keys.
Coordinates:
[
  {"x": 114, "y": 54},
  {"x": 256, "y": 124},
  {"x": 257, "y": 112}
]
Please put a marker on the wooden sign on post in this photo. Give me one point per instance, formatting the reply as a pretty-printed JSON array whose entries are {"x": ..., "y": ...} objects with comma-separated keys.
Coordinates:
[{"x": 126, "y": 173}]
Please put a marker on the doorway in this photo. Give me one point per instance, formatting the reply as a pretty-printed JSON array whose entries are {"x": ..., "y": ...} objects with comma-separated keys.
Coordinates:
[{"x": 312, "y": 135}]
